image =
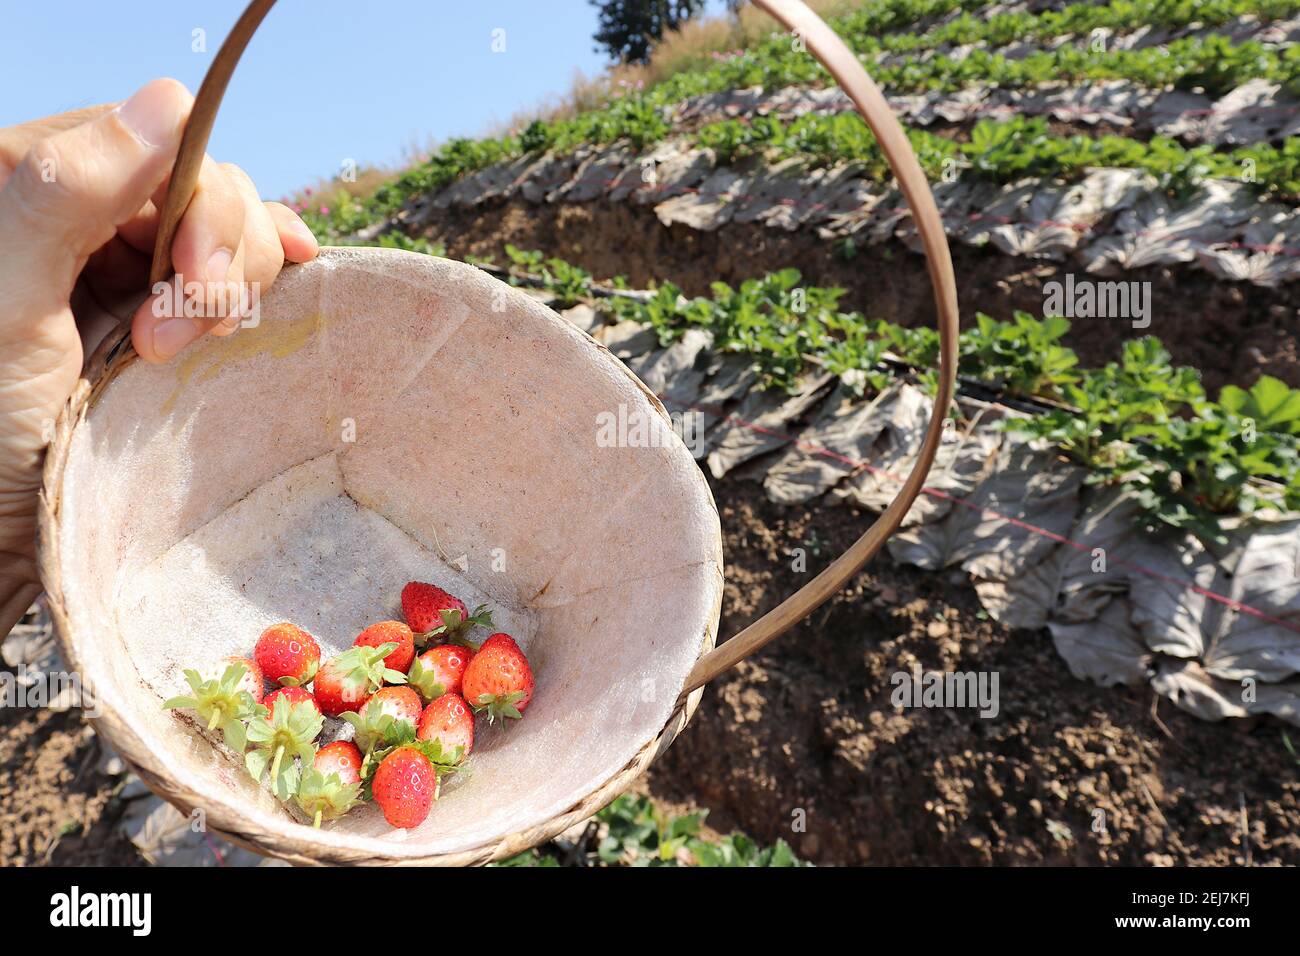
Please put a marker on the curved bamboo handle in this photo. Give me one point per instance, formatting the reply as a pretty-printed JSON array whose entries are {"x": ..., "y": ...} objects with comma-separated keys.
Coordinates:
[
  {"x": 831, "y": 51},
  {"x": 194, "y": 141},
  {"x": 866, "y": 96}
]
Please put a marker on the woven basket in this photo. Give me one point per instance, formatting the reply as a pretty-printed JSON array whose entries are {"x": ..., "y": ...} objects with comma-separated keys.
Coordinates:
[{"x": 397, "y": 416}]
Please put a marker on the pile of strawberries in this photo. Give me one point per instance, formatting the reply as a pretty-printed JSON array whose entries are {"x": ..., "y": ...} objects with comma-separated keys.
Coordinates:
[{"x": 412, "y": 716}]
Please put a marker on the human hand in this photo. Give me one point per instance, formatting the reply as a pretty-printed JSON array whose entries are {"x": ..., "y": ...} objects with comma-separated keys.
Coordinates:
[{"x": 79, "y": 199}]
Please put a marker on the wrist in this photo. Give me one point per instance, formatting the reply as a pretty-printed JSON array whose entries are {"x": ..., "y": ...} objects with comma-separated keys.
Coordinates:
[
  {"x": 20, "y": 586},
  {"x": 19, "y": 577}
]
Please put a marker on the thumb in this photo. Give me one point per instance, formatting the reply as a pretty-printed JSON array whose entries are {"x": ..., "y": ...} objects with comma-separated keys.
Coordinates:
[{"x": 73, "y": 189}]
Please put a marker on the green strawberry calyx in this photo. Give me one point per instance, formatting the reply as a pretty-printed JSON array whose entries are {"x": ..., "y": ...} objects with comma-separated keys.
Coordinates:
[
  {"x": 425, "y": 681},
  {"x": 325, "y": 796},
  {"x": 375, "y": 728},
  {"x": 499, "y": 706},
  {"x": 220, "y": 704},
  {"x": 277, "y": 739},
  {"x": 455, "y": 626},
  {"x": 308, "y": 674},
  {"x": 361, "y": 670}
]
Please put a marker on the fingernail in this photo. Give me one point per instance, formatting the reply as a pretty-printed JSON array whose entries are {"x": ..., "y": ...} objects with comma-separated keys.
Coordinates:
[
  {"x": 153, "y": 114},
  {"x": 173, "y": 335},
  {"x": 219, "y": 265},
  {"x": 302, "y": 229}
]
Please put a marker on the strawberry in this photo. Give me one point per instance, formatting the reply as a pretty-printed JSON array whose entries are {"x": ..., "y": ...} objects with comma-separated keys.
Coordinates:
[
  {"x": 332, "y": 786},
  {"x": 380, "y": 721},
  {"x": 432, "y": 612},
  {"x": 383, "y": 633},
  {"x": 221, "y": 703},
  {"x": 294, "y": 695},
  {"x": 325, "y": 797},
  {"x": 439, "y": 670},
  {"x": 287, "y": 654},
  {"x": 288, "y": 731},
  {"x": 346, "y": 682},
  {"x": 252, "y": 681},
  {"x": 405, "y": 785},
  {"x": 448, "y": 720},
  {"x": 498, "y": 681},
  {"x": 341, "y": 758}
]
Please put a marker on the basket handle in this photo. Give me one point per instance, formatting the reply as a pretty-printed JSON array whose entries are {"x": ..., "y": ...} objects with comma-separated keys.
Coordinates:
[
  {"x": 849, "y": 73},
  {"x": 866, "y": 96},
  {"x": 194, "y": 141}
]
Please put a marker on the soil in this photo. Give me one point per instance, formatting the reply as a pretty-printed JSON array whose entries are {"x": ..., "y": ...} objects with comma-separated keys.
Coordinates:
[
  {"x": 1066, "y": 773},
  {"x": 806, "y": 731},
  {"x": 55, "y": 806},
  {"x": 1232, "y": 332},
  {"x": 808, "y": 725}
]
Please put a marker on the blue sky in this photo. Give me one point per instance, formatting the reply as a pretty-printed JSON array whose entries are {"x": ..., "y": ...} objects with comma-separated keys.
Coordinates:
[{"x": 321, "y": 82}]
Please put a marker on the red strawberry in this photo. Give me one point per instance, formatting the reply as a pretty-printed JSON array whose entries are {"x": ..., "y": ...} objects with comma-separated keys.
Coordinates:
[
  {"x": 431, "y": 612},
  {"x": 346, "y": 682},
  {"x": 287, "y": 654},
  {"x": 390, "y": 631},
  {"x": 387, "y": 719},
  {"x": 400, "y": 703},
  {"x": 439, "y": 670},
  {"x": 449, "y": 721},
  {"x": 292, "y": 694},
  {"x": 498, "y": 680},
  {"x": 342, "y": 758},
  {"x": 405, "y": 785},
  {"x": 252, "y": 681}
]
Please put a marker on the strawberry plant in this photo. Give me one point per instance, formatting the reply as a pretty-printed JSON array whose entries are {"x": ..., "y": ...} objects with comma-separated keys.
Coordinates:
[
  {"x": 1023, "y": 356},
  {"x": 1212, "y": 62},
  {"x": 1230, "y": 457},
  {"x": 639, "y": 834},
  {"x": 1110, "y": 403}
]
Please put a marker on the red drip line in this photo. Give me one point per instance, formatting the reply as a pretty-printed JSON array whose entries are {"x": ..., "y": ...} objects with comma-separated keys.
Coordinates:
[
  {"x": 216, "y": 852},
  {"x": 989, "y": 512}
]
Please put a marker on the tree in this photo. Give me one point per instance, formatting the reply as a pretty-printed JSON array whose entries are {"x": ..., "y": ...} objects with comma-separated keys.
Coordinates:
[{"x": 627, "y": 29}]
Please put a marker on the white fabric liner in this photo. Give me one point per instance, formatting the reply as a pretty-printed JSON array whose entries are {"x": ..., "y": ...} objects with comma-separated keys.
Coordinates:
[{"x": 206, "y": 499}]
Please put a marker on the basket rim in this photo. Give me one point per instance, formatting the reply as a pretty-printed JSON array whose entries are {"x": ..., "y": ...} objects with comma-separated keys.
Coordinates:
[{"x": 222, "y": 813}]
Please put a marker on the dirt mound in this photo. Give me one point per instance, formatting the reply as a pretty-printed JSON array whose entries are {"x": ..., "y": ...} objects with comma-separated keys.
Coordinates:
[
  {"x": 1066, "y": 773},
  {"x": 1232, "y": 332}
]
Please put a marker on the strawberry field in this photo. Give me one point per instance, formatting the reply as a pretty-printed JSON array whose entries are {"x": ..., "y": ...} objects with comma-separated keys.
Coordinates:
[{"x": 1107, "y": 550}]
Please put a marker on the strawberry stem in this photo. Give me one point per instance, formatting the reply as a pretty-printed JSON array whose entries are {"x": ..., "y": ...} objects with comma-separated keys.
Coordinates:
[
  {"x": 316, "y": 822},
  {"x": 275, "y": 764},
  {"x": 216, "y": 718}
]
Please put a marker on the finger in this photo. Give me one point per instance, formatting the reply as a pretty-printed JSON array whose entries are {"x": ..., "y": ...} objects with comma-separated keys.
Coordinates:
[
  {"x": 296, "y": 237},
  {"x": 241, "y": 307},
  {"x": 172, "y": 318},
  {"x": 208, "y": 238},
  {"x": 71, "y": 190},
  {"x": 15, "y": 141},
  {"x": 263, "y": 254}
]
